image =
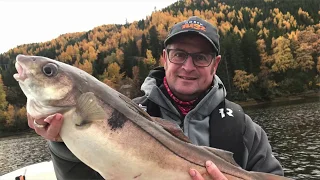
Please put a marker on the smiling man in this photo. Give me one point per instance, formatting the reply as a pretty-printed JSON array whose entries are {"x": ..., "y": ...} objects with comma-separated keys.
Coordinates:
[{"x": 186, "y": 91}]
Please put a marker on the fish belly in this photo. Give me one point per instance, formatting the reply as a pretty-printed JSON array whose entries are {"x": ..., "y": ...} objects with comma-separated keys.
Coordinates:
[{"x": 126, "y": 153}]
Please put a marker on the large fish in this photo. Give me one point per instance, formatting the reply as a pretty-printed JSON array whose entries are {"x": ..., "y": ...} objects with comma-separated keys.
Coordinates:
[{"x": 110, "y": 133}]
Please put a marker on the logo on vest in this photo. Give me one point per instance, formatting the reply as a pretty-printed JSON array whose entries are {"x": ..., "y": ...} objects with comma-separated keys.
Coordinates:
[{"x": 229, "y": 112}]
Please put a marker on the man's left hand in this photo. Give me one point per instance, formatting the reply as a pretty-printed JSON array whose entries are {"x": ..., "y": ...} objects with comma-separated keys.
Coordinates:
[{"x": 212, "y": 170}]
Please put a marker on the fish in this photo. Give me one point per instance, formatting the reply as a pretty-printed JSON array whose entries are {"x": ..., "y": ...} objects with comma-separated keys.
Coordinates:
[{"x": 110, "y": 133}]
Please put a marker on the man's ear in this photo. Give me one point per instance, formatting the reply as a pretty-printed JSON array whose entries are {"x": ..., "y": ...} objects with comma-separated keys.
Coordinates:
[
  {"x": 164, "y": 58},
  {"x": 216, "y": 62}
]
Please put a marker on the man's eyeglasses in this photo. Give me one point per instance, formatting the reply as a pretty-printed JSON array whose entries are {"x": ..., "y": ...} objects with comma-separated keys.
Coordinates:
[{"x": 178, "y": 56}]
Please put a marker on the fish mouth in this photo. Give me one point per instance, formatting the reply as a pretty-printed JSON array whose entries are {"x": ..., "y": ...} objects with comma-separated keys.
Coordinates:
[{"x": 21, "y": 75}]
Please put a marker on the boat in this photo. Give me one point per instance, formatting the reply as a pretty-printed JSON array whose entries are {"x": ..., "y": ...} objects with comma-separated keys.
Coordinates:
[{"x": 38, "y": 171}]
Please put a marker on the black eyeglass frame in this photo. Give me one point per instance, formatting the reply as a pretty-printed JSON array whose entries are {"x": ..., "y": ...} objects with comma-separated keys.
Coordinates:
[{"x": 191, "y": 55}]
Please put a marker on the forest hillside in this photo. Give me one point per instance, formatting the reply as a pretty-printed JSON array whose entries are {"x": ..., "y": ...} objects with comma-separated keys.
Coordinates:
[{"x": 269, "y": 49}]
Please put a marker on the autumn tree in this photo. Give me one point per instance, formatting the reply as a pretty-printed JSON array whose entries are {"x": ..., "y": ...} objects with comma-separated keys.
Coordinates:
[
  {"x": 3, "y": 105},
  {"x": 85, "y": 66},
  {"x": 242, "y": 80},
  {"x": 149, "y": 60},
  {"x": 112, "y": 75},
  {"x": 10, "y": 116},
  {"x": 282, "y": 55},
  {"x": 111, "y": 58},
  {"x": 3, "y": 101}
]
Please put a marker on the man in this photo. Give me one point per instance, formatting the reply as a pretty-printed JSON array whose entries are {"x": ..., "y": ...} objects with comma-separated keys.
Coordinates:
[{"x": 188, "y": 92}]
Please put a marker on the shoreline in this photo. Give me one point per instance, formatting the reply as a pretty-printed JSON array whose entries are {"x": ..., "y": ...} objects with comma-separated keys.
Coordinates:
[
  {"x": 16, "y": 134},
  {"x": 285, "y": 100},
  {"x": 249, "y": 104}
]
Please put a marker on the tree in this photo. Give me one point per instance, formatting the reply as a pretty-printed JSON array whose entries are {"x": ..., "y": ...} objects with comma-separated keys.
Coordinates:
[
  {"x": 282, "y": 55},
  {"x": 86, "y": 66},
  {"x": 3, "y": 101},
  {"x": 14, "y": 94},
  {"x": 242, "y": 80},
  {"x": 112, "y": 76},
  {"x": 149, "y": 60},
  {"x": 232, "y": 59},
  {"x": 250, "y": 52},
  {"x": 130, "y": 53},
  {"x": 144, "y": 45},
  {"x": 10, "y": 116},
  {"x": 154, "y": 43}
]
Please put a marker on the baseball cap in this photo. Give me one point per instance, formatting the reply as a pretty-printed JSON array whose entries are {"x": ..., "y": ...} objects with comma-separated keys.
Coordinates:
[{"x": 196, "y": 25}]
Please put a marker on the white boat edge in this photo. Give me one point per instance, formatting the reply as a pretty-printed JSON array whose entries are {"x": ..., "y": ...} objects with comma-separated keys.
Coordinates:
[{"x": 38, "y": 171}]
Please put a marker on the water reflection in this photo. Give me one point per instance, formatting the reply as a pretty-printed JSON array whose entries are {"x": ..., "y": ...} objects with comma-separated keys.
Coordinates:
[
  {"x": 293, "y": 131},
  {"x": 20, "y": 151}
]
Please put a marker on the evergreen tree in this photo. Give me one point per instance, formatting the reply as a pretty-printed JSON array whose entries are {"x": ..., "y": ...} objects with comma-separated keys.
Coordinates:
[
  {"x": 14, "y": 94},
  {"x": 130, "y": 54},
  {"x": 250, "y": 52},
  {"x": 154, "y": 43},
  {"x": 98, "y": 66},
  {"x": 144, "y": 45},
  {"x": 232, "y": 59}
]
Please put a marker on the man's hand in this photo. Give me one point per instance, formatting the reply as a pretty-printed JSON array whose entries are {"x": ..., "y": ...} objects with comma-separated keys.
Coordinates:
[
  {"x": 48, "y": 128},
  {"x": 212, "y": 170}
]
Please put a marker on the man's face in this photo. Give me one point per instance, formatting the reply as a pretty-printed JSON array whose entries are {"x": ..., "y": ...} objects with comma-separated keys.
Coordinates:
[{"x": 186, "y": 80}]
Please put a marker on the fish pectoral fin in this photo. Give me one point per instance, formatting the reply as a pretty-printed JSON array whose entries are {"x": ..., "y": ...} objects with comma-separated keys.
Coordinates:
[
  {"x": 172, "y": 128},
  {"x": 89, "y": 109},
  {"x": 226, "y": 155}
]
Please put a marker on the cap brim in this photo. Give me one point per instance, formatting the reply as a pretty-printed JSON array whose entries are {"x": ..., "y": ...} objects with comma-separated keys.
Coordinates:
[{"x": 191, "y": 31}]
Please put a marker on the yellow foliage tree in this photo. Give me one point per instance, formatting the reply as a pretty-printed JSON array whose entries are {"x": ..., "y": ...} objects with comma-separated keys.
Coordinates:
[
  {"x": 3, "y": 101},
  {"x": 282, "y": 56},
  {"x": 112, "y": 75},
  {"x": 10, "y": 115},
  {"x": 86, "y": 66},
  {"x": 150, "y": 60},
  {"x": 22, "y": 113},
  {"x": 242, "y": 80},
  {"x": 318, "y": 64},
  {"x": 119, "y": 56}
]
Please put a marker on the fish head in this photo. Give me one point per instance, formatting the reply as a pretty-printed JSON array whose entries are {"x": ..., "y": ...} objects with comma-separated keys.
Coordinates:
[{"x": 45, "y": 84}]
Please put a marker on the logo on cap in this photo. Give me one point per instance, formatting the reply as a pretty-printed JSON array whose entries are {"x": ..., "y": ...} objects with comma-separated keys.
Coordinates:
[{"x": 193, "y": 25}]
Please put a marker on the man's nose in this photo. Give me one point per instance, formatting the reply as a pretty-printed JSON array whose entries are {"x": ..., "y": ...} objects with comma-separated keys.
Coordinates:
[{"x": 188, "y": 64}]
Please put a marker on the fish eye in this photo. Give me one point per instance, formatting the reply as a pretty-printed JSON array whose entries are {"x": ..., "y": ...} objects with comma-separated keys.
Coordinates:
[{"x": 50, "y": 69}]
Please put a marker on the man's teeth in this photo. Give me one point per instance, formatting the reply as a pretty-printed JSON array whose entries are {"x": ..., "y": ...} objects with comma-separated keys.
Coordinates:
[{"x": 187, "y": 78}]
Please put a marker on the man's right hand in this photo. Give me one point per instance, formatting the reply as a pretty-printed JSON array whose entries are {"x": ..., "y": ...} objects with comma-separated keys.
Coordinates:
[{"x": 51, "y": 126}]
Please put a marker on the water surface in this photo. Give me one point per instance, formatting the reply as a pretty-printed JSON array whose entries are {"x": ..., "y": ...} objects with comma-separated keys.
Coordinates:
[{"x": 293, "y": 131}]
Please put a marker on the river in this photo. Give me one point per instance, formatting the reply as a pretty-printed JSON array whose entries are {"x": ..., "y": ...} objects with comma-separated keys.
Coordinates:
[{"x": 293, "y": 131}]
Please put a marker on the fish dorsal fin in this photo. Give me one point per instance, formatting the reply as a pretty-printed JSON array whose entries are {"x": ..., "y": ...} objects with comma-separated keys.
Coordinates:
[
  {"x": 89, "y": 109},
  {"x": 167, "y": 125},
  {"x": 135, "y": 107},
  {"x": 226, "y": 155},
  {"x": 172, "y": 128}
]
